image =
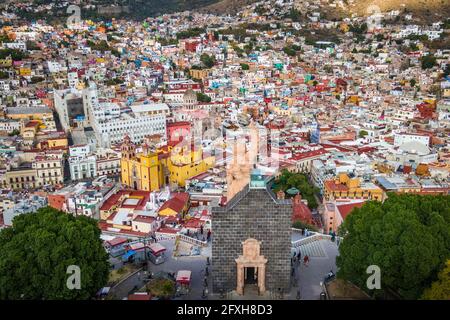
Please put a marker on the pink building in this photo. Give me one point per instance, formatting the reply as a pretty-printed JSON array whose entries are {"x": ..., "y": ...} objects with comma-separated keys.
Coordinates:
[{"x": 336, "y": 211}]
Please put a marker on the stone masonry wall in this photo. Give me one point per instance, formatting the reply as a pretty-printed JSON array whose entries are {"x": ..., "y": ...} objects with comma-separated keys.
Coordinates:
[{"x": 256, "y": 215}]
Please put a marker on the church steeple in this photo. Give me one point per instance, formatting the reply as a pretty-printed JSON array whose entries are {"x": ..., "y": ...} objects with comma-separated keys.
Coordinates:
[
  {"x": 128, "y": 148},
  {"x": 238, "y": 172}
]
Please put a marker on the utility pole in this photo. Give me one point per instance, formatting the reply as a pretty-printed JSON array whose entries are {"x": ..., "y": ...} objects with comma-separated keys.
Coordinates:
[{"x": 145, "y": 252}]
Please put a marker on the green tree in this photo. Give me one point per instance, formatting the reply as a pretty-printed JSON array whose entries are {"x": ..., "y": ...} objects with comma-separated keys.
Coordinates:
[
  {"x": 245, "y": 66},
  {"x": 15, "y": 132},
  {"x": 37, "y": 250},
  {"x": 428, "y": 61},
  {"x": 15, "y": 54},
  {"x": 162, "y": 288},
  {"x": 248, "y": 48},
  {"x": 295, "y": 15},
  {"x": 190, "y": 33},
  {"x": 363, "y": 133},
  {"x": 207, "y": 60},
  {"x": 203, "y": 97},
  {"x": 289, "y": 51},
  {"x": 447, "y": 70},
  {"x": 412, "y": 82},
  {"x": 288, "y": 180},
  {"x": 407, "y": 236},
  {"x": 440, "y": 289},
  {"x": 114, "y": 81},
  {"x": 301, "y": 225}
]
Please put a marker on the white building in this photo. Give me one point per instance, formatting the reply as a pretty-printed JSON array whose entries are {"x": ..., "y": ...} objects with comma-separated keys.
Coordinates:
[
  {"x": 70, "y": 108},
  {"x": 402, "y": 138},
  {"x": 81, "y": 163},
  {"x": 19, "y": 45},
  {"x": 108, "y": 162},
  {"x": 8, "y": 125},
  {"x": 111, "y": 123}
]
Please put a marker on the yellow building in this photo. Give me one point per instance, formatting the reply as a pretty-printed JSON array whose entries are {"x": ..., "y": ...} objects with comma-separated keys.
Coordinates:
[
  {"x": 151, "y": 170},
  {"x": 34, "y": 113},
  {"x": 345, "y": 187},
  {"x": 184, "y": 164},
  {"x": 199, "y": 74},
  {"x": 53, "y": 140},
  {"x": 7, "y": 62},
  {"x": 141, "y": 171},
  {"x": 25, "y": 72}
]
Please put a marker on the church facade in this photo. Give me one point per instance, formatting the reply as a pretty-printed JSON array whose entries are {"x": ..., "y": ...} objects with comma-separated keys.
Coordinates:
[{"x": 252, "y": 237}]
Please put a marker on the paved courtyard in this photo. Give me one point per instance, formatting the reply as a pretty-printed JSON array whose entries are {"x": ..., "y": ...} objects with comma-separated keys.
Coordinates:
[
  {"x": 196, "y": 264},
  {"x": 322, "y": 255}
]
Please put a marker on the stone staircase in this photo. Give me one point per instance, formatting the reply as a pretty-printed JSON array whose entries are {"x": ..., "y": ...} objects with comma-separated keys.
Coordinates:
[
  {"x": 311, "y": 245},
  {"x": 313, "y": 249}
]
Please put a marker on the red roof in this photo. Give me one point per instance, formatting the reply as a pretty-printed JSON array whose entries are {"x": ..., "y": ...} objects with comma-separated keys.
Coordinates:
[
  {"x": 116, "y": 241},
  {"x": 345, "y": 209},
  {"x": 193, "y": 223},
  {"x": 177, "y": 203},
  {"x": 168, "y": 230},
  {"x": 146, "y": 219},
  {"x": 108, "y": 226},
  {"x": 156, "y": 248},
  {"x": 114, "y": 199},
  {"x": 309, "y": 154},
  {"x": 331, "y": 185},
  {"x": 139, "y": 297},
  {"x": 300, "y": 211}
]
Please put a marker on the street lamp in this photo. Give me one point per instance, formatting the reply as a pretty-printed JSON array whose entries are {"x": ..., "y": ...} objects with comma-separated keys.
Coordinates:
[{"x": 323, "y": 295}]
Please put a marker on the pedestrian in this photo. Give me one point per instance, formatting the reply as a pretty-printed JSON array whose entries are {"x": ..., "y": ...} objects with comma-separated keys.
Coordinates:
[
  {"x": 306, "y": 260},
  {"x": 338, "y": 240},
  {"x": 208, "y": 236},
  {"x": 299, "y": 255},
  {"x": 201, "y": 229}
]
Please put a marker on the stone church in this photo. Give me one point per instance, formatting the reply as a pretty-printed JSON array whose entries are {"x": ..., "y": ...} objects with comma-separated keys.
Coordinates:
[{"x": 252, "y": 236}]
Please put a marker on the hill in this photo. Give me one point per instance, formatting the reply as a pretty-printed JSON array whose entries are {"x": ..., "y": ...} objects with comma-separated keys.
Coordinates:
[{"x": 424, "y": 10}]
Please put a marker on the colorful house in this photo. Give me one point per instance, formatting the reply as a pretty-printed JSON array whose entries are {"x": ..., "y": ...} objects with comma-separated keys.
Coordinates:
[
  {"x": 177, "y": 205},
  {"x": 345, "y": 187}
]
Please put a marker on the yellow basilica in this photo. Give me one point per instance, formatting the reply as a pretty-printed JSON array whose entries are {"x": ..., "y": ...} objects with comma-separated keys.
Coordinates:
[{"x": 151, "y": 170}]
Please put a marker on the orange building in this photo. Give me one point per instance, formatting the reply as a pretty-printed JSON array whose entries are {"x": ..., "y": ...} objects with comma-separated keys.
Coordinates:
[{"x": 345, "y": 187}]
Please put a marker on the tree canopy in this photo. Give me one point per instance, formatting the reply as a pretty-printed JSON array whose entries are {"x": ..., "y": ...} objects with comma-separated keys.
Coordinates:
[
  {"x": 299, "y": 181},
  {"x": 37, "y": 250},
  {"x": 203, "y": 97},
  {"x": 407, "y": 236},
  {"x": 428, "y": 61},
  {"x": 440, "y": 289},
  {"x": 207, "y": 60}
]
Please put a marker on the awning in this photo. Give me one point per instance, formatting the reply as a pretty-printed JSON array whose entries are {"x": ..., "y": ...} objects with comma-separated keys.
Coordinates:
[
  {"x": 156, "y": 248},
  {"x": 184, "y": 277},
  {"x": 128, "y": 254}
]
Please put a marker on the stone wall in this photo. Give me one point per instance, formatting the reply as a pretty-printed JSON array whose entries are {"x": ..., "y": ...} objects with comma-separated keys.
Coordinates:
[{"x": 252, "y": 213}]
